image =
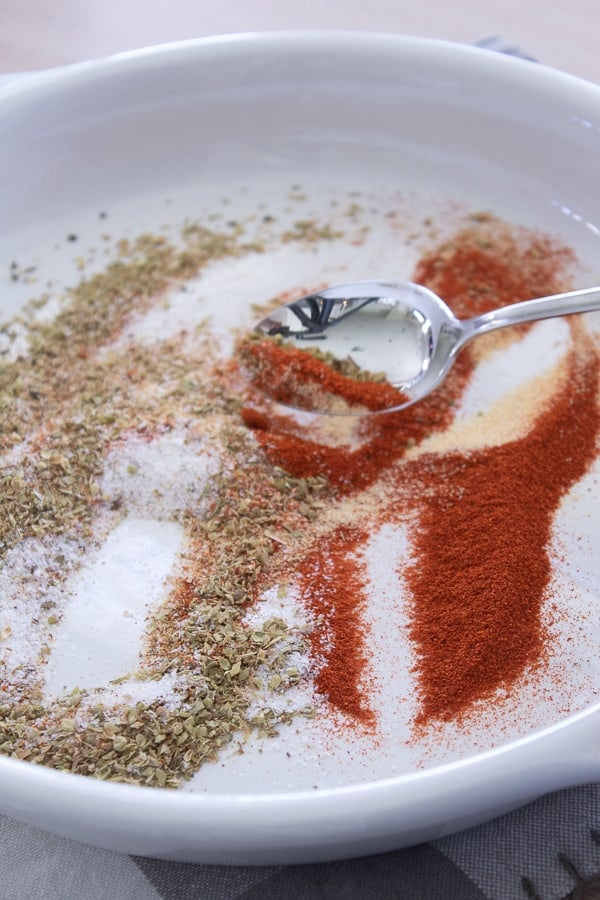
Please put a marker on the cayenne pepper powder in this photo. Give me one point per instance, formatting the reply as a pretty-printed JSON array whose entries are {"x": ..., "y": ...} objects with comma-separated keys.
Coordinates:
[
  {"x": 332, "y": 585},
  {"x": 484, "y": 517}
]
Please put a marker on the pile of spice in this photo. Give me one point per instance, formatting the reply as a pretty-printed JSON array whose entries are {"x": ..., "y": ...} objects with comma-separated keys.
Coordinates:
[{"x": 284, "y": 507}]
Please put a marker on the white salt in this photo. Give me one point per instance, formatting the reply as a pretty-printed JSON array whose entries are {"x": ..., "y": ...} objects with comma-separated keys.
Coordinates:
[
  {"x": 158, "y": 477},
  {"x": 100, "y": 634},
  {"x": 31, "y": 590},
  {"x": 166, "y": 690}
]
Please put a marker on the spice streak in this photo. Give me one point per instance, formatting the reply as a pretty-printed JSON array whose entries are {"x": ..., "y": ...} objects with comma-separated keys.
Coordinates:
[
  {"x": 332, "y": 586},
  {"x": 482, "y": 564}
]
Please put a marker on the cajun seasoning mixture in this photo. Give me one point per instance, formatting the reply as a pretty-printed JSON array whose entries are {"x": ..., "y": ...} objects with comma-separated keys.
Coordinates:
[{"x": 101, "y": 430}]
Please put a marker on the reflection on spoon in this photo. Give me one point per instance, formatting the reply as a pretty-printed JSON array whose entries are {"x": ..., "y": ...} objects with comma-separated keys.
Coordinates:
[{"x": 375, "y": 346}]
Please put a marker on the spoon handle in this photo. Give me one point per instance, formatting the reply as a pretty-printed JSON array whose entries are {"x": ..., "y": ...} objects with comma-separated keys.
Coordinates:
[{"x": 531, "y": 310}]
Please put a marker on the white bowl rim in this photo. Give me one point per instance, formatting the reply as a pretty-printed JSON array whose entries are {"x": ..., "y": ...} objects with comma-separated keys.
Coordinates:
[
  {"x": 493, "y": 761},
  {"x": 342, "y": 40}
]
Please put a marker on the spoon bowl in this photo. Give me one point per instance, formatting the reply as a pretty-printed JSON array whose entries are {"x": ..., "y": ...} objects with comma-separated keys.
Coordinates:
[{"x": 396, "y": 333}]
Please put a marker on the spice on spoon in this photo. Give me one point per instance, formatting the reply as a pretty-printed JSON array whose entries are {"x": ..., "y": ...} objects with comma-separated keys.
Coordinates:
[{"x": 307, "y": 378}]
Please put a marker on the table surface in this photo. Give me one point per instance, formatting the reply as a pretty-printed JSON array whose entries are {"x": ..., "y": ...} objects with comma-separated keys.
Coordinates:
[
  {"x": 37, "y": 34},
  {"x": 516, "y": 856}
]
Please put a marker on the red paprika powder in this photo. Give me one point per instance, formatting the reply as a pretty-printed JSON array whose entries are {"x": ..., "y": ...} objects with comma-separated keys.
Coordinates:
[{"x": 481, "y": 543}]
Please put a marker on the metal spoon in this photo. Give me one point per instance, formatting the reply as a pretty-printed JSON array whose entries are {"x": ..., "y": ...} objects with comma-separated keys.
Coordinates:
[{"x": 402, "y": 330}]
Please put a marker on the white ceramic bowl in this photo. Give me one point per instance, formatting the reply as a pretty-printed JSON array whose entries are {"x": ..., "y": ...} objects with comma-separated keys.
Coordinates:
[{"x": 507, "y": 134}]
